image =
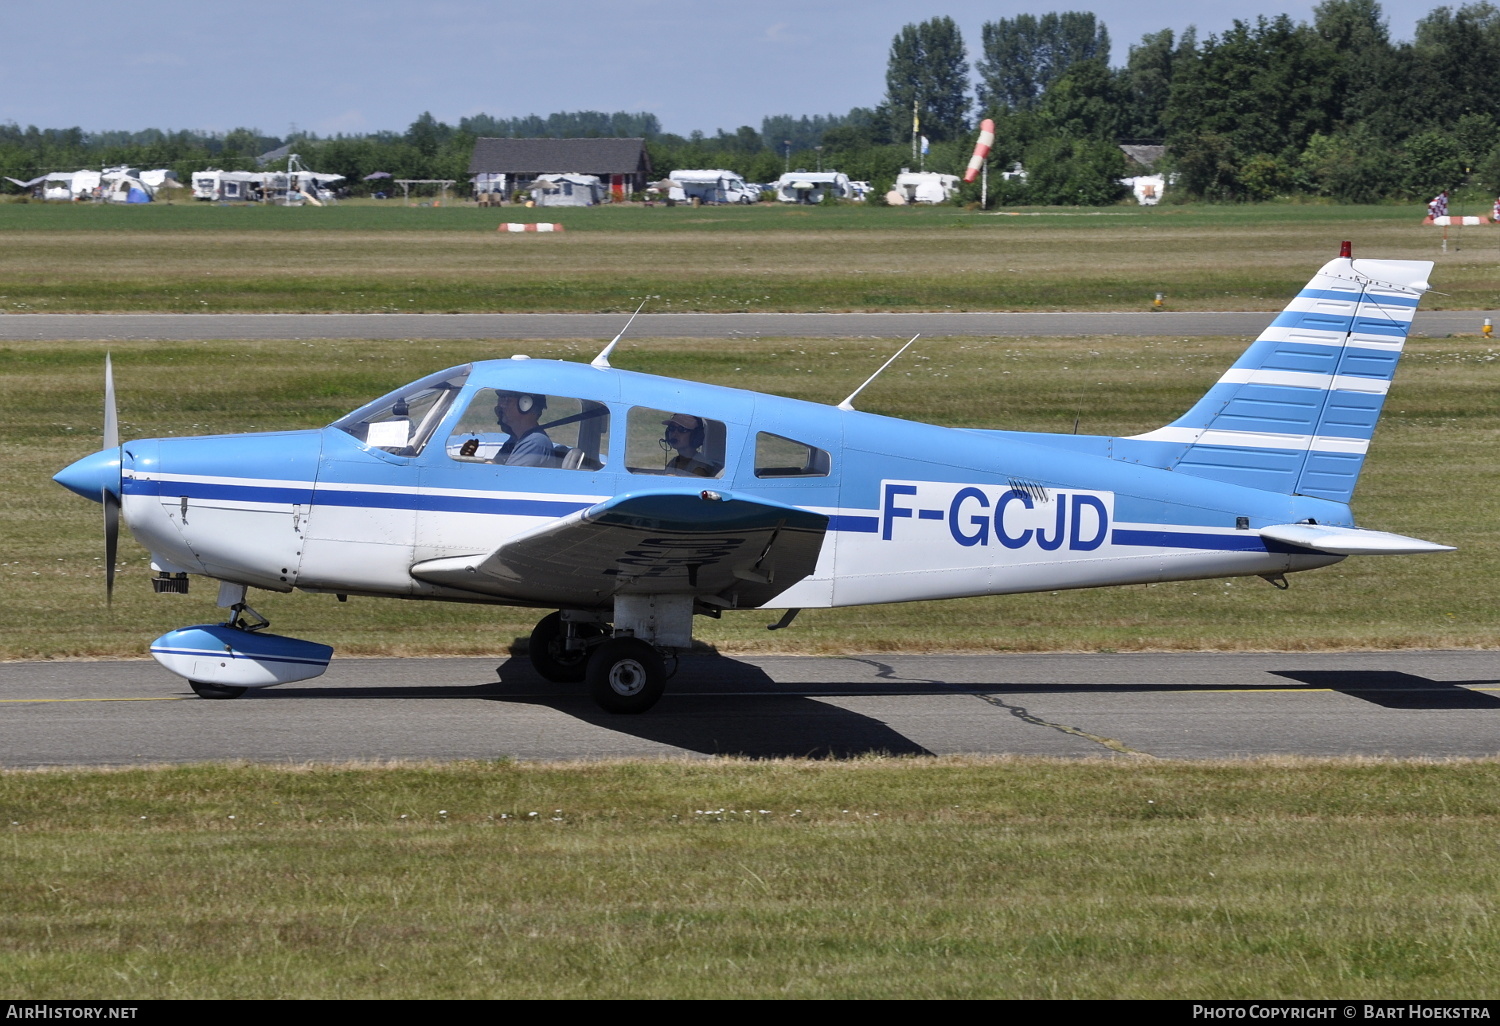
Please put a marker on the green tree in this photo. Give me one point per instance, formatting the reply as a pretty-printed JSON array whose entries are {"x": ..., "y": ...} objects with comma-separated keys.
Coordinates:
[
  {"x": 1024, "y": 55},
  {"x": 1349, "y": 167},
  {"x": 1365, "y": 71},
  {"x": 1086, "y": 102},
  {"x": 1432, "y": 162},
  {"x": 1452, "y": 67},
  {"x": 1074, "y": 172},
  {"x": 1146, "y": 85},
  {"x": 927, "y": 72}
]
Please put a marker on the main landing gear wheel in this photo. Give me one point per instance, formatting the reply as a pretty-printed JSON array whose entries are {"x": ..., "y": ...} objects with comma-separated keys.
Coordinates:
[
  {"x": 551, "y": 659},
  {"x": 206, "y": 690},
  {"x": 625, "y": 675}
]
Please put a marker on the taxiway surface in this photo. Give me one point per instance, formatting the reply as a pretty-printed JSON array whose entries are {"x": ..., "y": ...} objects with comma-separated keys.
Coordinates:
[{"x": 1178, "y": 706}]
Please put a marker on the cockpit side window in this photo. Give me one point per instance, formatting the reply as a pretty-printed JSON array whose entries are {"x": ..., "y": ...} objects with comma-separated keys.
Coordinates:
[
  {"x": 776, "y": 456},
  {"x": 531, "y": 429},
  {"x": 402, "y": 422},
  {"x": 674, "y": 443}
]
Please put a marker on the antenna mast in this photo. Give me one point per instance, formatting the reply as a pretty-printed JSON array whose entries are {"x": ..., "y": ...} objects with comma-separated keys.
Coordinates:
[
  {"x": 848, "y": 404},
  {"x": 602, "y": 360}
]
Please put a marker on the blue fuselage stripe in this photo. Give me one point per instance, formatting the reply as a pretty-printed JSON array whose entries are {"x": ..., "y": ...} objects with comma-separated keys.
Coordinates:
[
  {"x": 1183, "y": 540},
  {"x": 850, "y": 523},
  {"x": 369, "y": 500}
]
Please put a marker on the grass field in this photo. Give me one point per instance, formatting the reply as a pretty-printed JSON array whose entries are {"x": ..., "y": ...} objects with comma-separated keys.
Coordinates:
[
  {"x": 205, "y": 258},
  {"x": 945, "y": 878},
  {"x": 1437, "y": 448}
]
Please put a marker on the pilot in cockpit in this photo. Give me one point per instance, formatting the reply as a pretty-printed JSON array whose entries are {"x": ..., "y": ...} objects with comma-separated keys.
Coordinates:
[
  {"x": 685, "y": 435},
  {"x": 528, "y": 445}
]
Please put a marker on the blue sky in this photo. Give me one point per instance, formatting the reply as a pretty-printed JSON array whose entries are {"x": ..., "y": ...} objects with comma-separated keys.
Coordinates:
[{"x": 330, "y": 66}]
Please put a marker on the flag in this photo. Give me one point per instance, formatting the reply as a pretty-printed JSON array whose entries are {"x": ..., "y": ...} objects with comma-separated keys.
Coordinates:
[
  {"x": 924, "y": 146},
  {"x": 916, "y": 122}
]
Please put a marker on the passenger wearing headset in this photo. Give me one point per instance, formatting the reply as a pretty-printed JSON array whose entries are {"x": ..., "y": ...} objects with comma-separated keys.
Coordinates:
[
  {"x": 684, "y": 435},
  {"x": 528, "y": 445}
]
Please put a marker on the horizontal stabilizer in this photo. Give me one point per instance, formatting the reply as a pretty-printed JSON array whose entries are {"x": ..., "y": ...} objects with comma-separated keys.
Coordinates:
[
  {"x": 1349, "y": 541},
  {"x": 736, "y": 551}
]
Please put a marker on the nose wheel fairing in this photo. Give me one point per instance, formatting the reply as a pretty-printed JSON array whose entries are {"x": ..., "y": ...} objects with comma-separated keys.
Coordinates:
[{"x": 226, "y": 656}]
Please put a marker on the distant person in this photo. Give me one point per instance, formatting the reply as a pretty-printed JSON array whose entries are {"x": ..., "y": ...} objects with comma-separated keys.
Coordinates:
[
  {"x": 1495, "y": 213},
  {"x": 518, "y": 414},
  {"x": 685, "y": 435}
]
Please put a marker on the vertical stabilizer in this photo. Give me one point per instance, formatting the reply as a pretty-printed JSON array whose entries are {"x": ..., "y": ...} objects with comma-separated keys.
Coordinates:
[{"x": 1296, "y": 412}]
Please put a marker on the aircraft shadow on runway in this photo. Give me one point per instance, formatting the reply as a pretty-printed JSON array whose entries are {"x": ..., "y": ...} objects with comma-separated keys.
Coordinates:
[
  {"x": 1395, "y": 690},
  {"x": 759, "y": 725}
]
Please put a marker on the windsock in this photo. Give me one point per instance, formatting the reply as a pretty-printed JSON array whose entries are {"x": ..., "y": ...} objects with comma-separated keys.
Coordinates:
[{"x": 981, "y": 149}]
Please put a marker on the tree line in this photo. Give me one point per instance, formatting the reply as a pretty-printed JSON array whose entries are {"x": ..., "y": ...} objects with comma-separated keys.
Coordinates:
[{"x": 1269, "y": 108}]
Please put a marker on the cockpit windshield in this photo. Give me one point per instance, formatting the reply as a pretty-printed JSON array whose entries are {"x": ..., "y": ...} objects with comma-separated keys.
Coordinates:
[{"x": 401, "y": 422}]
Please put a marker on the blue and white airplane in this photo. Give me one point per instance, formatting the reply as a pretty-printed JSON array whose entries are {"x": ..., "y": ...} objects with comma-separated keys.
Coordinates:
[{"x": 628, "y": 504}]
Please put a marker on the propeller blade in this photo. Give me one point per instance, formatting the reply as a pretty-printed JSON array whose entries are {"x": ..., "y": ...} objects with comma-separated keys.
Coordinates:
[
  {"x": 110, "y": 501},
  {"x": 111, "y": 416},
  {"x": 111, "y": 542}
]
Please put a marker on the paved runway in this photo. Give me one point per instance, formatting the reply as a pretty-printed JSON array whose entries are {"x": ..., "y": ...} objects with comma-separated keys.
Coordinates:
[
  {"x": 1176, "y": 706},
  {"x": 192, "y": 327}
]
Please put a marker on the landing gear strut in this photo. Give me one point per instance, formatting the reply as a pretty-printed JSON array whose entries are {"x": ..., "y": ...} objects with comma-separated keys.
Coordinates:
[{"x": 622, "y": 661}]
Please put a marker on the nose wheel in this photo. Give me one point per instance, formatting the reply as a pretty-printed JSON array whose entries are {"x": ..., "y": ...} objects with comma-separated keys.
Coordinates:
[
  {"x": 625, "y": 675},
  {"x": 205, "y": 690}
]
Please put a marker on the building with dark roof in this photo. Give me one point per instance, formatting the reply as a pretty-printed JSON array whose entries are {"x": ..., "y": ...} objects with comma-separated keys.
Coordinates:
[{"x": 622, "y": 163}]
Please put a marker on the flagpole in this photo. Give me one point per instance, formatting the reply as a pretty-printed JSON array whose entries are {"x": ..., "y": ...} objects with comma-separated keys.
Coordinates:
[{"x": 914, "y": 128}]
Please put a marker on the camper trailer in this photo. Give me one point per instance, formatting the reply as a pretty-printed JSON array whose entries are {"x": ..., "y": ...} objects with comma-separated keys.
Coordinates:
[
  {"x": 715, "y": 186},
  {"x": 812, "y": 186},
  {"x": 228, "y": 186},
  {"x": 926, "y": 186}
]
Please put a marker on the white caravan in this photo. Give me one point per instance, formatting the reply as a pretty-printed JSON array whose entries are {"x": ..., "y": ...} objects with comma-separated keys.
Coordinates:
[
  {"x": 712, "y": 186},
  {"x": 926, "y": 186},
  {"x": 812, "y": 186}
]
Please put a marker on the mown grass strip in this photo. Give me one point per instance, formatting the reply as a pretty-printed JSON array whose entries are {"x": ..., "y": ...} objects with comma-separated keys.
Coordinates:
[
  {"x": 361, "y": 259},
  {"x": 954, "y": 877}
]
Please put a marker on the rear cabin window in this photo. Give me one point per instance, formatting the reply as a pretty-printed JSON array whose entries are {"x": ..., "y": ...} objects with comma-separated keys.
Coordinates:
[
  {"x": 776, "y": 456},
  {"x": 529, "y": 429},
  {"x": 674, "y": 443}
]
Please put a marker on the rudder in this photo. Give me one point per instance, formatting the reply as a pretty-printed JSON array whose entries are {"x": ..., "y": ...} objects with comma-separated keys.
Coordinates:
[{"x": 1296, "y": 412}]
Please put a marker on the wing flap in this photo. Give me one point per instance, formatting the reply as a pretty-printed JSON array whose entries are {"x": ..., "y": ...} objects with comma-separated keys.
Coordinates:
[
  {"x": 732, "y": 551},
  {"x": 1350, "y": 541}
]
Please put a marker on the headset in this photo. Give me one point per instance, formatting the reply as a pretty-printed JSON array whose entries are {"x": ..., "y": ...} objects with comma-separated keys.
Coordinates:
[
  {"x": 696, "y": 435},
  {"x": 525, "y": 401}
]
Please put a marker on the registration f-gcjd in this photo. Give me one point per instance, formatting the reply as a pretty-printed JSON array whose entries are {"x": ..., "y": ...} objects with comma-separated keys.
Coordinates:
[{"x": 627, "y": 504}]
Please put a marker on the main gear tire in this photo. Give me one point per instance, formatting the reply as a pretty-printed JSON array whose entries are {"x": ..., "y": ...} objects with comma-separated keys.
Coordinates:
[
  {"x": 549, "y": 656},
  {"x": 626, "y": 676}
]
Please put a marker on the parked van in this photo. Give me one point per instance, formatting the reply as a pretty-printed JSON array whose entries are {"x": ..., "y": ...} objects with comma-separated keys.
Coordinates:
[{"x": 712, "y": 186}]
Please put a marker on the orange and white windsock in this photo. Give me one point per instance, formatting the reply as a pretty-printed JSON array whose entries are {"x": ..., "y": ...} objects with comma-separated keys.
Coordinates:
[{"x": 981, "y": 149}]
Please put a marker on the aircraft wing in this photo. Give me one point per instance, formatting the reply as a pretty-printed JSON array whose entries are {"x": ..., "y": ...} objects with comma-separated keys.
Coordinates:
[
  {"x": 727, "y": 550},
  {"x": 1349, "y": 541}
]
